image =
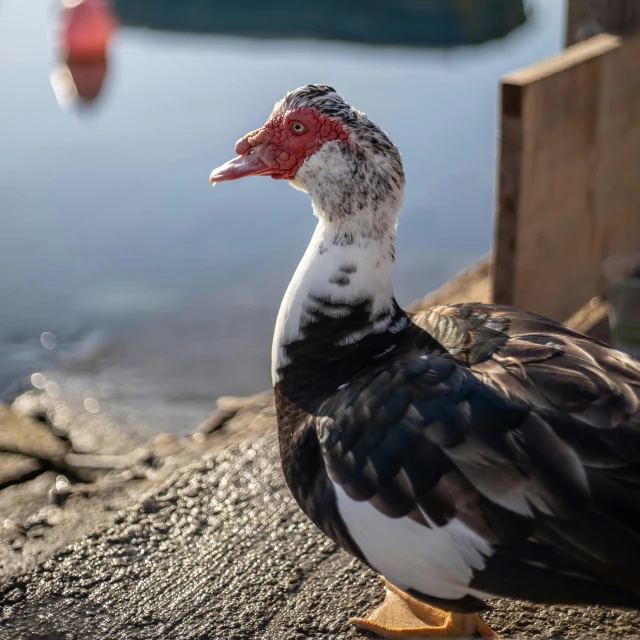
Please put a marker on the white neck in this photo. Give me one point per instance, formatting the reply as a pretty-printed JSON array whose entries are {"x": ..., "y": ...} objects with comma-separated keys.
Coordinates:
[{"x": 341, "y": 265}]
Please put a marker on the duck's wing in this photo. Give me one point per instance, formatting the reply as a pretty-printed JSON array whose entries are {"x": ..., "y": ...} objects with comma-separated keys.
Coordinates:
[
  {"x": 527, "y": 435},
  {"x": 541, "y": 362}
]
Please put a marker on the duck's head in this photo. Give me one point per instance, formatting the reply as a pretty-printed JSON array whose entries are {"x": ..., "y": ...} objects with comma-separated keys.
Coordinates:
[{"x": 323, "y": 146}]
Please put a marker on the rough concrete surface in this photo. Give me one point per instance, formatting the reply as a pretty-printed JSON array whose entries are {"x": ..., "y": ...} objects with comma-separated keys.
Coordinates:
[
  {"x": 33, "y": 527},
  {"x": 41, "y": 516},
  {"x": 221, "y": 551}
]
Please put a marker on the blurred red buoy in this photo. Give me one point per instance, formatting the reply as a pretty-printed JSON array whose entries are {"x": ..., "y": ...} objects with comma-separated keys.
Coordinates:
[
  {"x": 86, "y": 27},
  {"x": 78, "y": 82}
]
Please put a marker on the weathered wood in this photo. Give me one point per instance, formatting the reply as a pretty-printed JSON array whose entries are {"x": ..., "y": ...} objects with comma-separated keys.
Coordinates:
[
  {"x": 587, "y": 18},
  {"x": 569, "y": 186}
]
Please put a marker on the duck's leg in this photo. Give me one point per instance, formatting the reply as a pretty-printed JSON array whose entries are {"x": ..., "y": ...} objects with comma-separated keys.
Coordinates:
[{"x": 402, "y": 616}]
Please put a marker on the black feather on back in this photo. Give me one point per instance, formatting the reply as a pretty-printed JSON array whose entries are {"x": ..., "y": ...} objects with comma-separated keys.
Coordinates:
[{"x": 524, "y": 430}]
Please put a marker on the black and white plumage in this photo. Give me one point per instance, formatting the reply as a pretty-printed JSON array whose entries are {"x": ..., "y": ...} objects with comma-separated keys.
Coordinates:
[
  {"x": 509, "y": 471},
  {"x": 465, "y": 452}
]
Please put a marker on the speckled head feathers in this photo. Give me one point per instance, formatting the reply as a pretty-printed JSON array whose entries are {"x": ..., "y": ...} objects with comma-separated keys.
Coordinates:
[
  {"x": 326, "y": 147},
  {"x": 321, "y": 97},
  {"x": 329, "y": 103},
  {"x": 363, "y": 173}
]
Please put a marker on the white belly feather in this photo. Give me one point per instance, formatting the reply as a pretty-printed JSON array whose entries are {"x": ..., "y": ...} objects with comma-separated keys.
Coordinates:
[{"x": 438, "y": 562}]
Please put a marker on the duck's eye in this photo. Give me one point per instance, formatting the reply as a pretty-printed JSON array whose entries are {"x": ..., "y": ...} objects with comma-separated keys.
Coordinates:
[{"x": 298, "y": 127}]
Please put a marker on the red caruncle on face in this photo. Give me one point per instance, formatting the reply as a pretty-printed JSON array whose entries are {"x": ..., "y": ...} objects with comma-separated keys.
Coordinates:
[{"x": 286, "y": 141}]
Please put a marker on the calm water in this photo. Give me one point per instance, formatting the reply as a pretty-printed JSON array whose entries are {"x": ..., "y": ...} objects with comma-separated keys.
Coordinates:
[{"x": 161, "y": 292}]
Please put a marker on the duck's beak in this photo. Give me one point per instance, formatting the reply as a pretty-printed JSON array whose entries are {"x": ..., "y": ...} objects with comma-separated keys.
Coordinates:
[
  {"x": 249, "y": 161},
  {"x": 249, "y": 164}
]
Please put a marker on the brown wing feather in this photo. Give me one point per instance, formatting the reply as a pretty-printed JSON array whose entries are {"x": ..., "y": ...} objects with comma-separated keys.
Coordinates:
[
  {"x": 527, "y": 431},
  {"x": 588, "y": 394}
]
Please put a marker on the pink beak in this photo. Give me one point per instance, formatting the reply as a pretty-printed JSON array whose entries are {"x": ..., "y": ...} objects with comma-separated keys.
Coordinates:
[
  {"x": 240, "y": 167},
  {"x": 248, "y": 163}
]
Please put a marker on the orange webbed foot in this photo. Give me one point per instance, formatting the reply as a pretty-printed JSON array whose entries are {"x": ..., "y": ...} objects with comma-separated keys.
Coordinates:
[{"x": 403, "y": 616}]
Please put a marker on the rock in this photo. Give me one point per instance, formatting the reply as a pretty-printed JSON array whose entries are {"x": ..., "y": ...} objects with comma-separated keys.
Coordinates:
[
  {"x": 59, "y": 491},
  {"x": 234, "y": 403},
  {"x": 163, "y": 440},
  {"x": 16, "y": 468},
  {"x": 19, "y": 434},
  {"x": 229, "y": 406},
  {"x": 77, "y": 428},
  {"x": 12, "y": 534}
]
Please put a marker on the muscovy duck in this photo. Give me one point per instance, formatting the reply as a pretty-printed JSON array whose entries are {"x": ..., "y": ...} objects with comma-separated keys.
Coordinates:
[{"x": 466, "y": 452}]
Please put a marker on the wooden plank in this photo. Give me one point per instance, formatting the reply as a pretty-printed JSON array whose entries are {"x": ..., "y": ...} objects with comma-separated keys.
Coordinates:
[
  {"x": 566, "y": 60},
  {"x": 509, "y": 176},
  {"x": 569, "y": 177}
]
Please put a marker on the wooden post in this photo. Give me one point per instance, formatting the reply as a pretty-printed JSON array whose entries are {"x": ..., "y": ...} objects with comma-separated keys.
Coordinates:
[
  {"x": 588, "y": 18},
  {"x": 569, "y": 183}
]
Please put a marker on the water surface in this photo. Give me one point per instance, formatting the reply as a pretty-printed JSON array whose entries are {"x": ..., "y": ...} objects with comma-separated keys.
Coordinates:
[{"x": 161, "y": 292}]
